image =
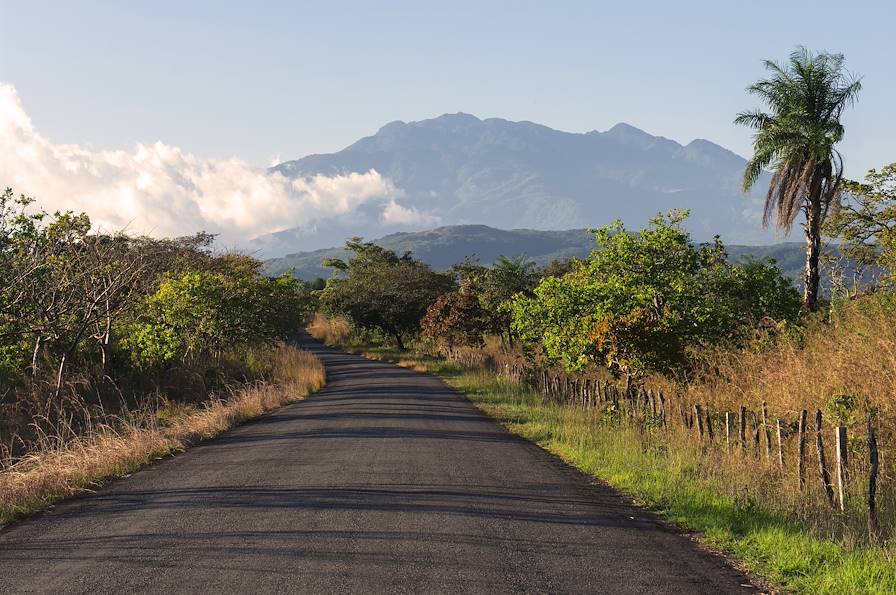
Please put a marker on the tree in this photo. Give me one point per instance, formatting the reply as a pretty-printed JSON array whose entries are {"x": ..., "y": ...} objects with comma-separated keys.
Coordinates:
[
  {"x": 455, "y": 318},
  {"x": 558, "y": 267},
  {"x": 866, "y": 222},
  {"x": 506, "y": 278},
  {"x": 640, "y": 301},
  {"x": 379, "y": 290},
  {"x": 492, "y": 288},
  {"x": 202, "y": 314},
  {"x": 78, "y": 308},
  {"x": 796, "y": 138}
]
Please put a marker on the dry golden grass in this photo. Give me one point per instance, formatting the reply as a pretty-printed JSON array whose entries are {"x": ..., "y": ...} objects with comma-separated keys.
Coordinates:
[
  {"x": 334, "y": 332},
  {"x": 62, "y": 467},
  {"x": 854, "y": 354},
  {"x": 845, "y": 367}
]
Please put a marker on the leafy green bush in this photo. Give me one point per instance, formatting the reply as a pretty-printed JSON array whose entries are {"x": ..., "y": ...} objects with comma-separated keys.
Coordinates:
[
  {"x": 207, "y": 312},
  {"x": 640, "y": 301}
]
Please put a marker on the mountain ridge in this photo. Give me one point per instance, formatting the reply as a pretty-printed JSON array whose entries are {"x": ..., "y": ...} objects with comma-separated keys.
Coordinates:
[
  {"x": 444, "y": 246},
  {"x": 460, "y": 169}
]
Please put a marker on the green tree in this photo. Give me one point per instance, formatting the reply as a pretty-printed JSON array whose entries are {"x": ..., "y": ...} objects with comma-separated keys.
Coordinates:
[
  {"x": 199, "y": 314},
  {"x": 796, "y": 138},
  {"x": 558, "y": 267},
  {"x": 640, "y": 301},
  {"x": 379, "y": 290},
  {"x": 866, "y": 222},
  {"x": 492, "y": 288}
]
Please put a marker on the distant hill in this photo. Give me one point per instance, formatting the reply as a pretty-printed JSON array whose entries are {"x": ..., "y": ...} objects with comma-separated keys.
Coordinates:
[
  {"x": 444, "y": 246},
  {"x": 457, "y": 169}
]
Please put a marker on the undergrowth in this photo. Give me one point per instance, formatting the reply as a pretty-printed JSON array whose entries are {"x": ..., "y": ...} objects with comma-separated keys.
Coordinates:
[{"x": 64, "y": 463}]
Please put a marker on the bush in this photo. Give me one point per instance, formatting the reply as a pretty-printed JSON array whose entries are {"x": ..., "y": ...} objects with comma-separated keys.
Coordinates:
[{"x": 640, "y": 301}]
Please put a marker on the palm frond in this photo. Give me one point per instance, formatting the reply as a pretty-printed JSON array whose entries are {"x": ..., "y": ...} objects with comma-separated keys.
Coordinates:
[{"x": 805, "y": 96}]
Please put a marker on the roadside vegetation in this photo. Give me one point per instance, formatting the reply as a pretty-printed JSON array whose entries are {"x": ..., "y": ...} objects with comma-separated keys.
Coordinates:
[
  {"x": 759, "y": 414},
  {"x": 115, "y": 350}
]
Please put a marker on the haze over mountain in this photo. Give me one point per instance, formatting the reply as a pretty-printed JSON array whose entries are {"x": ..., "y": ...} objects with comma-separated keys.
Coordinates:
[{"x": 459, "y": 169}]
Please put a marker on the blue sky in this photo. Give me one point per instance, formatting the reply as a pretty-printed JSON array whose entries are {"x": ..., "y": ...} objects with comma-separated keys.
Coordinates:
[{"x": 254, "y": 80}]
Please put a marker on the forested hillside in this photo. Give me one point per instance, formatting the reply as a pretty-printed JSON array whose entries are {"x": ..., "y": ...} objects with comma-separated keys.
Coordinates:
[{"x": 444, "y": 246}]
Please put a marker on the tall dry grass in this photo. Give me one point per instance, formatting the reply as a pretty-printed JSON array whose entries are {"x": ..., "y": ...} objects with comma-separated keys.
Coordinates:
[
  {"x": 854, "y": 354},
  {"x": 335, "y": 332},
  {"x": 845, "y": 367},
  {"x": 65, "y": 462}
]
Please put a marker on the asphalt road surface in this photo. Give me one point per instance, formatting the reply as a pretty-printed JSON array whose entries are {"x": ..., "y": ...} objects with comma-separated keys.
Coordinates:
[{"x": 387, "y": 481}]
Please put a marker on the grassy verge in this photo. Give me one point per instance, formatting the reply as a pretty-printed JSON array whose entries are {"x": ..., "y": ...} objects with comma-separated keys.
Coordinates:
[
  {"x": 675, "y": 479},
  {"x": 61, "y": 469}
]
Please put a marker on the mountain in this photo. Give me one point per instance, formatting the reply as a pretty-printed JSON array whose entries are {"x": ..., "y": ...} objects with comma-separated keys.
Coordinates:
[
  {"x": 444, "y": 246},
  {"x": 459, "y": 169}
]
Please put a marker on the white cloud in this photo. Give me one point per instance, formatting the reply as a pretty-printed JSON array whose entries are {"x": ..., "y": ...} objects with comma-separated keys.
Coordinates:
[
  {"x": 396, "y": 214},
  {"x": 163, "y": 190}
]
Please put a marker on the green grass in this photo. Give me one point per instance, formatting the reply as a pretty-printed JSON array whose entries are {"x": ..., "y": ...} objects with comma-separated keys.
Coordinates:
[{"x": 665, "y": 476}]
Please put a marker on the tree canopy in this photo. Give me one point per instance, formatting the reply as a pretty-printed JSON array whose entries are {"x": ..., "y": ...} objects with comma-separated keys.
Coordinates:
[
  {"x": 378, "y": 290},
  {"x": 640, "y": 300},
  {"x": 866, "y": 222},
  {"x": 72, "y": 299}
]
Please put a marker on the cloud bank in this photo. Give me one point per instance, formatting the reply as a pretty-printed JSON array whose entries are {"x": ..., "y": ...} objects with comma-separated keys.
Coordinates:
[{"x": 162, "y": 190}]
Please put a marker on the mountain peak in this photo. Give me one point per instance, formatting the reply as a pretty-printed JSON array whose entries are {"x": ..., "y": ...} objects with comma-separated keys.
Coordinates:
[
  {"x": 623, "y": 129},
  {"x": 706, "y": 151},
  {"x": 459, "y": 169},
  {"x": 458, "y": 117}
]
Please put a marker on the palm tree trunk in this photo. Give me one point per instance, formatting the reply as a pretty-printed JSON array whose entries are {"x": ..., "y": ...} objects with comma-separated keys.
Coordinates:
[{"x": 813, "y": 244}]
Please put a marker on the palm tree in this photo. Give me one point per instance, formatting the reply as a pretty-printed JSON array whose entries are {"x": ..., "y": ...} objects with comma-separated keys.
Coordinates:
[{"x": 796, "y": 139}]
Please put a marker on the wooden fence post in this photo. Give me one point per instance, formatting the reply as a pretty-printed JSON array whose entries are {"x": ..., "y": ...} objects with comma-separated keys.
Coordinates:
[
  {"x": 801, "y": 463},
  {"x": 768, "y": 431},
  {"x": 873, "y": 465},
  {"x": 822, "y": 464},
  {"x": 663, "y": 408},
  {"x": 729, "y": 422},
  {"x": 780, "y": 425},
  {"x": 842, "y": 464},
  {"x": 709, "y": 429},
  {"x": 756, "y": 429},
  {"x": 743, "y": 427},
  {"x": 698, "y": 415}
]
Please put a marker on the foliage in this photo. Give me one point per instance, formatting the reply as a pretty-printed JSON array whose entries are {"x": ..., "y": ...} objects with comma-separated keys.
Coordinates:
[
  {"x": 641, "y": 300},
  {"x": 379, "y": 290},
  {"x": 558, "y": 268},
  {"x": 75, "y": 304},
  {"x": 796, "y": 138},
  {"x": 207, "y": 312},
  {"x": 866, "y": 222},
  {"x": 455, "y": 318},
  {"x": 480, "y": 305}
]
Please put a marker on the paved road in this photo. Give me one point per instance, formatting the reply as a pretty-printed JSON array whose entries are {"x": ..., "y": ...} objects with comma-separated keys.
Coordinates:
[{"x": 386, "y": 481}]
